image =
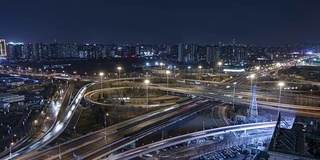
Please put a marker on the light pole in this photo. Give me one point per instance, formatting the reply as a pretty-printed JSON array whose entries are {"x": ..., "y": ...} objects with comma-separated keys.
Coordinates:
[
  {"x": 257, "y": 69},
  {"x": 105, "y": 126},
  {"x": 219, "y": 65},
  {"x": 167, "y": 72},
  {"x": 312, "y": 98},
  {"x": 281, "y": 84},
  {"x": 11, "y": 144},
  {"x": 200, "y": 67},
  {"x": 161, "y": 64},
  {"x": 119, "y": 68},
  {"x": 147, "y": 83},
  {"x": 234, "y": 92},
  {"x": 101, "y": 74},
  {"x": 251, "y": 78},
  {"x": 59, "y": 153}
]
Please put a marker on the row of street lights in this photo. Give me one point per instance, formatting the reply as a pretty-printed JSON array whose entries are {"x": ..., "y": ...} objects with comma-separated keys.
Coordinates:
[
  {"x": 146, "y": 82},
  {"x": 101, "y": 75}
]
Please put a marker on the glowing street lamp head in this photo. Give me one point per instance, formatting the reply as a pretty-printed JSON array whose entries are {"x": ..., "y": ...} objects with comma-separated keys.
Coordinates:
[
  {"x": 200, "y": 67},
  {"x": 189, "y": 67},
  {"x": 161, "y": 64},
  {"x": 219, "y": 63},
  {"x": 119, "y": 68},
  {"x": 258, "y": 67},
  {"x": 252, "y": 76},
  {"x": 281, "y": 84},
  {"x": 147, "y": 81},
  {"x": 101, "y": 73},
  {"x": 234, "y": 83},
  {"x": 167, "y": 72}
]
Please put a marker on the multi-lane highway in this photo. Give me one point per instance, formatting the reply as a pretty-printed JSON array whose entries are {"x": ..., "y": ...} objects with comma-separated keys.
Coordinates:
[
  {"x": 61, "y": 122},
  {"x": 187, "y": 137},
  {"x": 47, "y": 124},
  {"x": 105, "y": 141},
  {"x": 89, "y": 143},
  {"x": 173, "y": 116}
]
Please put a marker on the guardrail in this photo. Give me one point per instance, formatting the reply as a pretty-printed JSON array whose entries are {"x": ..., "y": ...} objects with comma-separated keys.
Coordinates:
[{"x": 187, "y": 137}]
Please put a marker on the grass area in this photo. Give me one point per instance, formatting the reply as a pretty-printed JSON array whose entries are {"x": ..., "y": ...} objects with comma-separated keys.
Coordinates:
[{"x": 87, "y": 122}]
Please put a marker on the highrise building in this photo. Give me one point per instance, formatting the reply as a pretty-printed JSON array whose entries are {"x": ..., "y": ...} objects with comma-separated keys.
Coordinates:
[
  {"x": 3, "y": 51},
  {"x": 191, "y": 53},
  {"x": 212, "y": 55}
]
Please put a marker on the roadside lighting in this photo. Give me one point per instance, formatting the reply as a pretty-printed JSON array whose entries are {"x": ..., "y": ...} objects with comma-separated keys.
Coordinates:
[
  {"x": 200, "y": 67},
  {"x": 161, "y": 64},
  {"x": 252, "y": 76},
  {"x": 105, "y": 127},
  {"x": 119, "y": 69},
  {"x": 219, "y": 65},
  {"x": 101, "y": 74},
  {"x": 167, "y": 72},
  {"x": 234, "y": 92},
  {"x": 147, "y": 83},
  {"x": 281, "y": 84}
]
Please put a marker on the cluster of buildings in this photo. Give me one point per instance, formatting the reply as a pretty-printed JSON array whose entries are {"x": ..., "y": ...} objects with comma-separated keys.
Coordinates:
[{"x": 233, "y": 53}]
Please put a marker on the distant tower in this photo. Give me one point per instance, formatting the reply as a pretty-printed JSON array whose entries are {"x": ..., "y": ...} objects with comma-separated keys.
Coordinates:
[
  {"x": 3, "y": 51},
  {"x": 253, "y": 109}
]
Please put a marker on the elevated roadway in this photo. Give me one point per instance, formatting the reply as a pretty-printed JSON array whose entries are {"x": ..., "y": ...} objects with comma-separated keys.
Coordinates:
[
  {"x": 60, "y": 124},
  {"x": 85, "y": 143},
  {"x": 103, "y": 137},
  {"x": 136, "y": 152}
]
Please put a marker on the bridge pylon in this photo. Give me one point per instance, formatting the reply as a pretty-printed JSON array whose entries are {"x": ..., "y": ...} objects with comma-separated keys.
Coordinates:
[{"x": 253, "y": 108}]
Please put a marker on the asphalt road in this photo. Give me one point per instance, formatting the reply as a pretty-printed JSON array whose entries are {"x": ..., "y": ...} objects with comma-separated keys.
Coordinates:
[
  {"x": 91, "y": 138},
  {"x": 187, "y": 137}
]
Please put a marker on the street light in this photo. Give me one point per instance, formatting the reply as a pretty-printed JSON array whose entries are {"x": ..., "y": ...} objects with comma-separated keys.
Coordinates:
[
  {"x": 105, "y": 126},
  {"x": 200, "y": 67},
  {"x": 167, "y": 72},
  {"x": 251, "y": 78},
  {"x": 11, "y": 144},
  {"x": 234, "y": 92},
  {"x": 219, "y": 65},
  {"x": 119, "y": 68},
  {"x": 147, "y": 83},
  {"x": 101, "y": 74},
  {"x": 161, "y": 64},
  {"x": 281, "y": 84}
]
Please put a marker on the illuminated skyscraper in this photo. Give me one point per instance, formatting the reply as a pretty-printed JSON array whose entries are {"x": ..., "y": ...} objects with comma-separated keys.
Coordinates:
[{"x": 3, "y": 51}]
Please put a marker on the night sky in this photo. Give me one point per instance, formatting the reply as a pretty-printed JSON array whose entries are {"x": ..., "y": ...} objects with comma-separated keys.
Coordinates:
[{"x": 259, "y": 22}]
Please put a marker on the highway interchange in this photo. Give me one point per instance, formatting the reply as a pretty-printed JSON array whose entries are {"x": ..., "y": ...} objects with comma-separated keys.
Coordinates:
[{"x": 100, "y": 143}]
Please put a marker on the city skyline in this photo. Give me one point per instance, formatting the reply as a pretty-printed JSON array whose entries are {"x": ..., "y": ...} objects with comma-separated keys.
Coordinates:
[{"x": 165, "y": 22}]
